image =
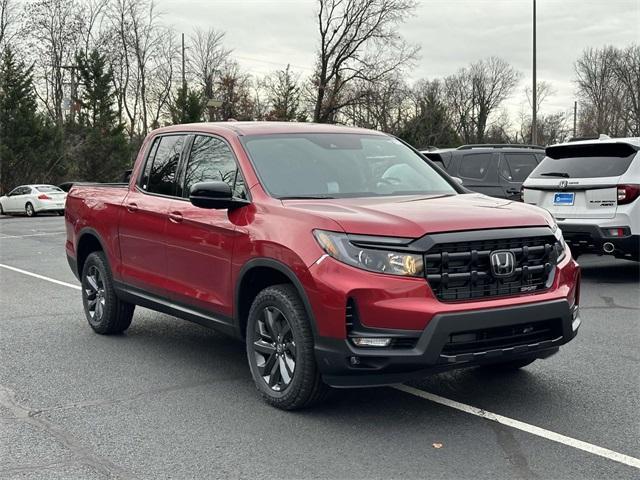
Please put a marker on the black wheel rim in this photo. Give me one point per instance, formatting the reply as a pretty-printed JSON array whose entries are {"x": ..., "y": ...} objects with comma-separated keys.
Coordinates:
[
  {"x": 274, "y": 349},
  {"x": 95, "y": 295}
]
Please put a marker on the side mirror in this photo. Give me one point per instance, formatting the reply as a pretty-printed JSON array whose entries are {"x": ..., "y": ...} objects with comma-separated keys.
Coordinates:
[
  {"x": 214, "y": 195},
  {"x": 459, "y": 180}
]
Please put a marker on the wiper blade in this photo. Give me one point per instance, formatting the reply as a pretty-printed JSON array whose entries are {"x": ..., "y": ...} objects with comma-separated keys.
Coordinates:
[
  {"x": 305, "y": 197},
  {"x": 555, "y": 174}
]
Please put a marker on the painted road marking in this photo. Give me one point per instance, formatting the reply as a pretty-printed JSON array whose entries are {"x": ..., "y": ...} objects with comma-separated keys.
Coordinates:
[
  {"x": 41, "y": 277},
  {"x": 525, "y": 427},
  {"x": 2, "y": 237},
  {"x": 478, "y": 412}
]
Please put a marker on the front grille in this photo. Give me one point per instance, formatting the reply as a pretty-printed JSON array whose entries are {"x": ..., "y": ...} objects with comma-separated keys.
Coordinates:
[
  {"x": 462, "y": 270},
  {"x": 502, "y": 337}
]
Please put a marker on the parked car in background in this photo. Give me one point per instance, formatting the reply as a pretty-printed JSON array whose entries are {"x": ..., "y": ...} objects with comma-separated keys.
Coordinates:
[
  {"x": 338, "y": 255},
  {"x": 495, "y": 170},
  {"x": 33, "y": 199},
  {"x": 592, "y": 188}
]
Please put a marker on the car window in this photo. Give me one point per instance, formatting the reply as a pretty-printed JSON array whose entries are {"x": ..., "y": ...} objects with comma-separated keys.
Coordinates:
[
  {"x": 516, "y": 167},
  {"x": 163, "y": 165},
  {"x": 15, "y": 191},
  {"x": 475, "y": 165},
  {"x": 25, "y": 191},
  {"x": 211, "y": 159},
  {"x": 341, "y": 165},
  {"x": 48, "y": 189},
  {"x": 583, "y": 167}
]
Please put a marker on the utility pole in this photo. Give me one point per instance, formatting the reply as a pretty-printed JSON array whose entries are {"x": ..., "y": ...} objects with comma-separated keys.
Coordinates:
[
  {"x": 534, "y": 120},
  {"x": 73, "y": 90},
  {"x": 184, "y": 78},
  {"x": 575, "y": 117}
]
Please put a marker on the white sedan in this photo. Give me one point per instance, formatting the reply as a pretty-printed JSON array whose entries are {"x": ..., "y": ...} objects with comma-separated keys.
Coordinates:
[{"x": 33, "y": 199}]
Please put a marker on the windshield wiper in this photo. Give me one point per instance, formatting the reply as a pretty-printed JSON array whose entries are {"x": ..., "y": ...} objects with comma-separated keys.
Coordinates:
[
  {"x": 304, "y": 197},
  {"x": 555, "y": 174}
]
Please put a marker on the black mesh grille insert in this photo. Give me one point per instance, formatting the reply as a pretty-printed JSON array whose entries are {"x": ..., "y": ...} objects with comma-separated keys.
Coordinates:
[
  {"x": 462, "y": 270},
  {"x": 502, "y": 337}
]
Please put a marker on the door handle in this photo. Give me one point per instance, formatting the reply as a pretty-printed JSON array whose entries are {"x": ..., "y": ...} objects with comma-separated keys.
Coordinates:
[
  {"x": 513, "y": 190},
  {"x": 175, "y": 217},
  {"x": 132, "y": 207}
]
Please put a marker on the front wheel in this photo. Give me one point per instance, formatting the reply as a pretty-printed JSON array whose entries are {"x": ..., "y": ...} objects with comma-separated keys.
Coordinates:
[
  {"x": 105, "y": 312},
  {"x": 280, "y": 350}
]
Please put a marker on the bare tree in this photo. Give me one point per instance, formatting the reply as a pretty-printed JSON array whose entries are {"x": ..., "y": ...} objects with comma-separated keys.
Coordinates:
[
  {"x": 627, "y": 70},
  {"x": 9, "y": 18},
  {"x": 206, "y": 57},
  {"x": 234, "y": 90},
  {"x": 544, "y": 90},
  {"x": 600, "y": 92},
  {"x": 359, "y": 39},
  {"x": 474, "y": 93}
]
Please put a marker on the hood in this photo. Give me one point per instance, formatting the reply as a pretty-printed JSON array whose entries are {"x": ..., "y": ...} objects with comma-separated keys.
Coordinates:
[{"x": 413, "y": 216}]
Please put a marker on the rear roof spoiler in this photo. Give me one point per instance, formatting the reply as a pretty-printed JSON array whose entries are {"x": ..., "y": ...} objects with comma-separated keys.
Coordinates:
[{"x": 608, "y": 149}]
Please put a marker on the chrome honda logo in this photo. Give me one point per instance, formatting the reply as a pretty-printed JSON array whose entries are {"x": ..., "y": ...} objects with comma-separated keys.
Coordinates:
[
  {"x": 563, "y": 184},
  {"x": 503, "y": 263}
]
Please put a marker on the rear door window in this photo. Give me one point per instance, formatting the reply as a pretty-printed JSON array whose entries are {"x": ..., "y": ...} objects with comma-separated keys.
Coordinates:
[
  {"x": 586, "y": 161},
  {"x": 516, "y": 167},
  {"x": 475, "y": 165},
  {"x": 162, "y": 165}
]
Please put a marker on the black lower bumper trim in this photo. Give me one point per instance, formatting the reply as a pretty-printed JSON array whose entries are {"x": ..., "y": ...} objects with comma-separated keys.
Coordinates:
[
  {"x": 344, "y": 365},
  {"x": 591, "y": 239}
]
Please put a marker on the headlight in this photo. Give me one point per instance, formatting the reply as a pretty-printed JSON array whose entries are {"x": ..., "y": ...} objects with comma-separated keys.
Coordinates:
[
  {"x": 561, "y": 246},
  {"x": 339, "y": 247}
]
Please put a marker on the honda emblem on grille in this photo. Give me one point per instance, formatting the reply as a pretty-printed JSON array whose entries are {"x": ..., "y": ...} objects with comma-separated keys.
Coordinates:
[
  {"x": 503, "y": 263},
  {"x": 563, "y": 184}
]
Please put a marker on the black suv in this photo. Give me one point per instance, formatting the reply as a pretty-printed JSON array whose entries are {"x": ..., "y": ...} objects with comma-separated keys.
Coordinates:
[{"x": 495, "y": 170}]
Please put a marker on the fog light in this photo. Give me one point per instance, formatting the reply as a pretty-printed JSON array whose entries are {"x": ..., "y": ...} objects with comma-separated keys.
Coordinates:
[{"x": 371, "y": 341}]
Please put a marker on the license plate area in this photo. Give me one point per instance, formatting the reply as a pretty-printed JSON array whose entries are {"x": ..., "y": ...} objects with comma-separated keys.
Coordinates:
[{"x": 564, "y": 198}]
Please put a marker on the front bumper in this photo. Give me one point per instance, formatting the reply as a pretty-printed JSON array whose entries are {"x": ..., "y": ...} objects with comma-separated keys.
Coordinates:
[
  {"x": 344, "y": 365},
  {"x": 588, "y": 238}
]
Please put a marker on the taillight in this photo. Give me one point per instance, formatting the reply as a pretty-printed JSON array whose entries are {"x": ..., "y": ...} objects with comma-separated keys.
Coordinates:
[
  {"x": 42, "y": 196},
  {"x": 627, "y": 193}
]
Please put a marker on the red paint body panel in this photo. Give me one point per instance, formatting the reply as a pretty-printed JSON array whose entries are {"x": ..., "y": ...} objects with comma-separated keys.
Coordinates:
[{"x": 197, "y": 260}]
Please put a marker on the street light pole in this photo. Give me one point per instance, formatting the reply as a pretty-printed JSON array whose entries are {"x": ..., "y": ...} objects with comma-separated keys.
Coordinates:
[{"x": 534, "y": 120}]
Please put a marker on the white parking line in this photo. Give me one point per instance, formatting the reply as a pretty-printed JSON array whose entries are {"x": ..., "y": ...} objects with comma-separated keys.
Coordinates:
[
  {"x": 31, "y": 235},
  {"x": 478, "y": 412},
  {"x": 525, "y": 427},
  {"x": 41, "y": 277}
]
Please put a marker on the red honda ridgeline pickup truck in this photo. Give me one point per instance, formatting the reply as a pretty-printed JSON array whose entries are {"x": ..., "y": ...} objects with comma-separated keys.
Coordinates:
[{"x": 341, "y": 256}]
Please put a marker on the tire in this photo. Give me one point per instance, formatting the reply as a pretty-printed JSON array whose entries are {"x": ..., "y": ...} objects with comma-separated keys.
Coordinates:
[
  {"x": 279, "y": 334},
  {"x": 105, "y": 312},
  {"x": 61, "y": 212},
  {"x": 1, "y": 210},
  {"x": 511, "y": 365},
  {"x": 29, "y": 210}
]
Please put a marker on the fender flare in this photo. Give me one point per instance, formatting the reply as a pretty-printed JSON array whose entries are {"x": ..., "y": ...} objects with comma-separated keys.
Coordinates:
[{"x": 286, "y": 271}]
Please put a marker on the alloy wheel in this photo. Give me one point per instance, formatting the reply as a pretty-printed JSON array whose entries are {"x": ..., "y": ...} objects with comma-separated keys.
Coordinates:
[
  {"x": 274, "y": 349},
  {"x": 30, "y": 210},
  {"x": 95, "y": 294}
]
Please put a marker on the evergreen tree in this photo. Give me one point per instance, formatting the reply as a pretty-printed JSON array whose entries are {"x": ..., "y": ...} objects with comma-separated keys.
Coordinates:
[
  {"x": 98, "y": 149},
  {"x": 28, "y": 150},
  {"x": 187, "y": 107}
]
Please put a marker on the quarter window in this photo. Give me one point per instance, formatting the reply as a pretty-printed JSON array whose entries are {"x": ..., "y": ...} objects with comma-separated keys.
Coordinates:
[
  {"x": 162, "y": 165},
  {"x": 518, "y": 166},
  {"x": 211, "y": 160},
  {"x": 475, "y": 165}
]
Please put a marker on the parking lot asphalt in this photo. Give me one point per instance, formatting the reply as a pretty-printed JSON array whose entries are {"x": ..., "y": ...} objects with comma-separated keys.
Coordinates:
[{"x": 170, "y": 399}]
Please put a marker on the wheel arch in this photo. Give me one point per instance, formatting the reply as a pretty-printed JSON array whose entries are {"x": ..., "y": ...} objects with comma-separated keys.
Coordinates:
[
  {"x": 258, "y": 274},
  {"x": 89, "y": 241}
]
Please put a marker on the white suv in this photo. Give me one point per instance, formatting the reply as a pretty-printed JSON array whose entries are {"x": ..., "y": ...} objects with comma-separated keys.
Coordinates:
[{"x": 592, "y": 187}]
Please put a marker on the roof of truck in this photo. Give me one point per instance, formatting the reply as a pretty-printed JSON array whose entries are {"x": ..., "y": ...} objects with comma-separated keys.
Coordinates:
[{"x": 267, "y": 128}]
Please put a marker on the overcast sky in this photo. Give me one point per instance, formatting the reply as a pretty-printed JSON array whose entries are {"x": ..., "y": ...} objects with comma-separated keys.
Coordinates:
[{"x": 267, "y": 34}]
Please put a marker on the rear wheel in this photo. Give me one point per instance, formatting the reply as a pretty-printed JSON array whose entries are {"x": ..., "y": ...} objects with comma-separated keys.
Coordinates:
[
  {"x": 105, "y": 312},
  {"x": 280, "y": 350},
  {"x": 29, "y": 210}
]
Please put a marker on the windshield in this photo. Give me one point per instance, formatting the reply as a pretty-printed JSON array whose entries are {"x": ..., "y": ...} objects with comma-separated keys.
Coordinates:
[
  {"x": 329, "y": 165},
  {"x": 48, "y": 189}
]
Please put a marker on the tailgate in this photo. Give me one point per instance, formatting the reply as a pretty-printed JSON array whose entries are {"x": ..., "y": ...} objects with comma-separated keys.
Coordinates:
[{"x": 584, "y": 198}]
